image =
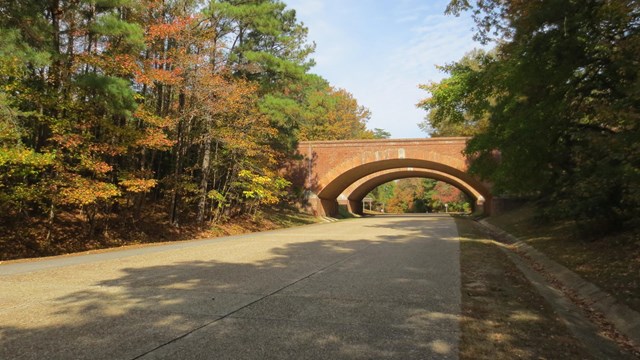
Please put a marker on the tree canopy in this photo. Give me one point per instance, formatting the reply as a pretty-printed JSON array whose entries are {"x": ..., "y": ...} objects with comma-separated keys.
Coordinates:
[
  {"x": 557, "y": 104},
  {"x": 110, "y": 109}
]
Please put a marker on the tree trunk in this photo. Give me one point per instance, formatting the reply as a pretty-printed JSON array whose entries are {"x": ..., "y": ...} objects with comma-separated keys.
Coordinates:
[{"x": 204, "y": 180}]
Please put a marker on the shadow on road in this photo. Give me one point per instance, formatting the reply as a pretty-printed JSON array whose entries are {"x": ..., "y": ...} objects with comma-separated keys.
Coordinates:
[{"x": 367, "y": 298}]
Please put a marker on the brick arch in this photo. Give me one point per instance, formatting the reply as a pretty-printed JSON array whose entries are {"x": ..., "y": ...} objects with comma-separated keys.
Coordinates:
[
  {"x": 359, "y": 189},
  {"x": 339, "y": 178},
  {"x": 330, "y": 167},
  {"x": 388, "y": 159},
  {"x": 331, "y": 189}
]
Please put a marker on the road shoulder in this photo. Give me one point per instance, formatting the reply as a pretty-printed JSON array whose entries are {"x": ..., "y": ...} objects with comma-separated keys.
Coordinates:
[{"x": 504, "y": 314}]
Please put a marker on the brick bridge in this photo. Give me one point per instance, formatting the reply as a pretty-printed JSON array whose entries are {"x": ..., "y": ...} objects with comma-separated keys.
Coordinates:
[{"x": 335, "y": 173}]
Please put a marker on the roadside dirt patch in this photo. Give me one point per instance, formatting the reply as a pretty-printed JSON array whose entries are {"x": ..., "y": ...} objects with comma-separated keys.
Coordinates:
[
  {"x": 612, "y": 262},
  {"x": 503, "y": 315}
]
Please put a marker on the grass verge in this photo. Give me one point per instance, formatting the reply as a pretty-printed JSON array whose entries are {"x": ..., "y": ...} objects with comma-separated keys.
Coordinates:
[
  {"x": 504, "y": 317},
  {"x": 612, "y": 263}
]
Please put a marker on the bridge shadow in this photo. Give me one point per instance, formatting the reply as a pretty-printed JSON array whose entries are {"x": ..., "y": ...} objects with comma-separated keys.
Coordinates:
[{"x": 289, "y": 304}]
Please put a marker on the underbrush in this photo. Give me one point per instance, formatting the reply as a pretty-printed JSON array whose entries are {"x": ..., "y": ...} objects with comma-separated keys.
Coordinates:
[{"x": 68, "y": 232}]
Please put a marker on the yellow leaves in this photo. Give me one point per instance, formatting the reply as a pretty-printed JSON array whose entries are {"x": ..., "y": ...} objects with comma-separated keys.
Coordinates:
[
  {"x": 98, "y": 167},
  {"x": 254, "y": 178},
  {"x": 264, "y": 189},
  {"x": 333, "y": 114},
  {"x": 152, "y": 119},
  {"x": 25, "y": 156},
  {"x": 156, "y": 139},
  {"x": 136, "y": 185},
  {"x": 216, "y": 196},
  {"x": 82, "y": 191}
]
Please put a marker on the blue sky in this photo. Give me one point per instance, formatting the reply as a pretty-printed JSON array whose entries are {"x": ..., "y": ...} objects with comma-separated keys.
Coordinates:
[{"x": 381, "y": 50}]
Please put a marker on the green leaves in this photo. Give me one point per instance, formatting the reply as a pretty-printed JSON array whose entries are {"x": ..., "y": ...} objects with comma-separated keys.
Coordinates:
[
  {"x": 454, "y": 109},
  {"x": 112, "y": 93},
  {"x": 16, "y": 54},
  {"x": 127, "y": 35},
  {"x": 561, "y": 98}
]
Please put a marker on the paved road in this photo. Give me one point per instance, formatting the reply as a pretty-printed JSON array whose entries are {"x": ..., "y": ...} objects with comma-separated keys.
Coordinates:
[{"x": 384, "y": 287}]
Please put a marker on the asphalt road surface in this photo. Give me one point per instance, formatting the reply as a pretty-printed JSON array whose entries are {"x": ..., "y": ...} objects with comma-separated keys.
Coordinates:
[{"x": 373, "y": 288}]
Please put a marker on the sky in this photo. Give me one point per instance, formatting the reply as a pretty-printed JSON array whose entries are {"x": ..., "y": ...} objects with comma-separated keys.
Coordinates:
[{"x": 381, "y": 50}]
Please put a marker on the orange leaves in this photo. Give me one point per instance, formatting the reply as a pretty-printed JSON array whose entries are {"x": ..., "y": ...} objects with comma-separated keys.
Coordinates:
[
  {"x": 107, "y": 149},
  {"x": 176, "y": 28},
  {"x": 446, "y": 193},
  {"x": 154, "y": 136},
  {"x": 125, "y": 63},
  {"x": 181, "y": 49},
  {"x": 98, "y": 167},
  {"x": 168, "y": 77},
  {"x": 156, "y": 139},
  {"x": 81, "y": 191},
  {"x": 68, "y": 141}
]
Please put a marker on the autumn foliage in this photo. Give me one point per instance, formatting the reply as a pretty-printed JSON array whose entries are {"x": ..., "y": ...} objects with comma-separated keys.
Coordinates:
[
  {"x": 417, "y": 195},
  {"x": 113, "y": 113}
]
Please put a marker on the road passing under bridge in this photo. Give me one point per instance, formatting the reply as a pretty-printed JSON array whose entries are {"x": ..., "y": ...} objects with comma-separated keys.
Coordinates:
[{"x": 380, "y": 287}]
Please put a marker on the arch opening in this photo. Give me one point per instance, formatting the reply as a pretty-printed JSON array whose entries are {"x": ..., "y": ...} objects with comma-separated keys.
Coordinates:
[
  {"x": 352, "y": 185},
  {"x": 361, "y": 188}
]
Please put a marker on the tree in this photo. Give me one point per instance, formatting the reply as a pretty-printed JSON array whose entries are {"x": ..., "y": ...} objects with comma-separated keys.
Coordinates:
[
  {"x": 113, "y": 109},
  {"x": 381, "y": 134},
  {"x": 454, "y": 108},
  {"x": 333, "y": 114},
  {"x": 565, "y": 104},
  {"x": 382, "y": 194},
  {"x": 266, "y": 44},
  {"x": 222, "y": 141}
]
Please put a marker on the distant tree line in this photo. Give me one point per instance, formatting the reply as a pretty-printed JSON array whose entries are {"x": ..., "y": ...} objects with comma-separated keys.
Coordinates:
[{"x": 416, "y": 195}]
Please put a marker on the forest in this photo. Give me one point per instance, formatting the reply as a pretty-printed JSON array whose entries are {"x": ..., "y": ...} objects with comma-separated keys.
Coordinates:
[
  {"x": 124, "y": 118},
  {"x": 553, "y": 107},
  {"x": 121, "y": 114}
]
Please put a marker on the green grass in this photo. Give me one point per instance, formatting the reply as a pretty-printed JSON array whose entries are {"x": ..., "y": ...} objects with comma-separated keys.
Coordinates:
[{"x": 612, "y": 263}]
